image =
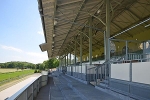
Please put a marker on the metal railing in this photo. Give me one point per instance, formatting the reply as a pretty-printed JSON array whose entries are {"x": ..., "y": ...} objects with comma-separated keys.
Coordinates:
[
  {"x": 133, "y": 57},
  {"x": 97, "y": 73},
  {"x": 29, "y": 92}
]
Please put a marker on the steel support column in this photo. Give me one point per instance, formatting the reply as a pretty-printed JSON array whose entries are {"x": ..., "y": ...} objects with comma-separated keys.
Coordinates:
[
  {"x": 144, "y": 47},
  {"x": 75, "y": 50},
  {"x": 126, "y": 50},
  {"x": 81, "y": 35},
  {"x": 67, "y": 59},
  {"x": 70, "y": 58},
  {"x": 90, "y": 41},
  {"x": 107, "y": 35},
  {"x": 59, "y": 63},
  {"x": 105, "y": 45}
]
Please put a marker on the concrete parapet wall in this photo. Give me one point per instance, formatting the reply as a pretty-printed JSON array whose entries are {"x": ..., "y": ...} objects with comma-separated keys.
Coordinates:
[{"x": 29, "y": 92}]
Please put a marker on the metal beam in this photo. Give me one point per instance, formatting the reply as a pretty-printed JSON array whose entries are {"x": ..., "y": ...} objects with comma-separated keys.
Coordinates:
[
  {"x": 82, "y": 5},
  {"x": 83, "y": 33},
  {"x": 122, "y": 29},
  {"x": 71, "y": 2},
  {"x": 94, "y": 17}
]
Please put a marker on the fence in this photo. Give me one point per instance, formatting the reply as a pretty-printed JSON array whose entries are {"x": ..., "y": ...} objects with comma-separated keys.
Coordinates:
[
  {"x": 131, "y": 79},
  {"x": 90, "y": 73}
]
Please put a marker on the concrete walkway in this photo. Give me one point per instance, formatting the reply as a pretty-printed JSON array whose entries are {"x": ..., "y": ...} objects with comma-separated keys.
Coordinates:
[
  {"x": 65, "y": 88},
  {"x": 13, "y": 89},
  {"x": 87, "y": 92}
]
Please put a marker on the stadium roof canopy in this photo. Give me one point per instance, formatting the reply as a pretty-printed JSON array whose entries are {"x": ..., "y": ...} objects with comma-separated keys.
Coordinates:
[{"x": 64, "y": 20}]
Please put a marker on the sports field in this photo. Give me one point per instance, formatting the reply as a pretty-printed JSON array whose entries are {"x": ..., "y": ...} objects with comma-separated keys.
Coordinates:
[
  {"x": 5, "y": 70},
  {"x": 7, "y": 75}
]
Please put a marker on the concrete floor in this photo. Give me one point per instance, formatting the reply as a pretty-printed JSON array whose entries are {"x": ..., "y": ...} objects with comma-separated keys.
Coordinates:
[{"x": 62, "y": 87}]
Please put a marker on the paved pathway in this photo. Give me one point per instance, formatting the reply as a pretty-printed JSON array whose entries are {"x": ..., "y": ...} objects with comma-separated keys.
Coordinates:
[
  {"x": 87, "y": 92},
  {"x": 62, "y": 87},
  {"x": 13, "y": 89}
]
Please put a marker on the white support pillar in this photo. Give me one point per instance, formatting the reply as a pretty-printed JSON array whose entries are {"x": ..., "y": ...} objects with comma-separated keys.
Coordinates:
[
  {"x": 107, "y": 35},
  {"x": 90, "y": 41}
]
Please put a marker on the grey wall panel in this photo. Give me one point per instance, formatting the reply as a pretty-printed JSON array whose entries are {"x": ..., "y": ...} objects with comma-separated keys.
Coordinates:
[
  {"x": 140, "y": 91},
  {"x": 119, "y": 85},
  {"x": 134, "y": 90}
]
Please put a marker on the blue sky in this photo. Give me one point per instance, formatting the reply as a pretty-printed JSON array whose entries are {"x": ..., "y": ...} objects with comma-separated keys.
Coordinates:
[{"x": 21, "y": 31}]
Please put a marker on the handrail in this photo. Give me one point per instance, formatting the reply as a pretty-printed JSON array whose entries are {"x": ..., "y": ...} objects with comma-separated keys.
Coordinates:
[
  {"x": 135, "y": 57},
  {"x": 91, "y": 68},
  {"x": 101, "y": 65}
]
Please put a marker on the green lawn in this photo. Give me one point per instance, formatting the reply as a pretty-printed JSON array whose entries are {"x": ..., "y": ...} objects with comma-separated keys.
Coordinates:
[{"x": 14, "y": 75}]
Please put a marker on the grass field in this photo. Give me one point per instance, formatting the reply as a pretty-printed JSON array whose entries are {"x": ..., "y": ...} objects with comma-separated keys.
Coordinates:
[
  {"x": 5, "y": 70},
  {"x": 12, "y": 74}
]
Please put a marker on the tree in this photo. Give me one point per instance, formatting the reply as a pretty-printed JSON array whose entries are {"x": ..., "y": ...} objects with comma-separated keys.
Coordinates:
[{"x": 51, "y": 63}]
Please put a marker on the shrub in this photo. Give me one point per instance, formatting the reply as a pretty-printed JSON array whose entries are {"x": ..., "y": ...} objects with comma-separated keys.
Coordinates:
[{"x": 35, "y": 71}]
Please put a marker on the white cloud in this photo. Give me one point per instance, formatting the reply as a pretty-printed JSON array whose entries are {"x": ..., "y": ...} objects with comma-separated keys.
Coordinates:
[
  {"x": 35, "y": 54},
  {"x": 40, "y": 32},
  {"x": 11, "y": 48},
  {"x": 21, "y": 55},
  {"x": 36, "y": 57}
]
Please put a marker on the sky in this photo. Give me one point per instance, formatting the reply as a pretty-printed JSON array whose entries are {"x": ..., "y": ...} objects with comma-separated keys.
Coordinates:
[{"x": 21, "y": 32}]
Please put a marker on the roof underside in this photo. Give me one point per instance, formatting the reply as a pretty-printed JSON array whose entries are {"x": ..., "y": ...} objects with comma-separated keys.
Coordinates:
[{"x": 64, "y": 20}]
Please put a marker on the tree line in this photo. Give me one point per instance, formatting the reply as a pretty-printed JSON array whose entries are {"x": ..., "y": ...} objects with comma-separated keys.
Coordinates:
[{"x": 48, "y": 64}]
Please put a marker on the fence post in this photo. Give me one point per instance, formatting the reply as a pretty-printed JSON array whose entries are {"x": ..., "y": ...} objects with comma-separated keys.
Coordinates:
[
  {"x": 130, "y": 74},
  {"x": 86, "y": 72},
  {"x": 109, "y": 76}
]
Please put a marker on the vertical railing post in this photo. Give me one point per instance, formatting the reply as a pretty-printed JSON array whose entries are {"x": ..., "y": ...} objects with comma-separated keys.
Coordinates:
[
  {"x": 101, "y": 73},
  {"x": 96, "y": 75},
  {"x": 109, "y": 74},
  {"x": 130, "y": 74},
  {"x": 86, "y": 73}
]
